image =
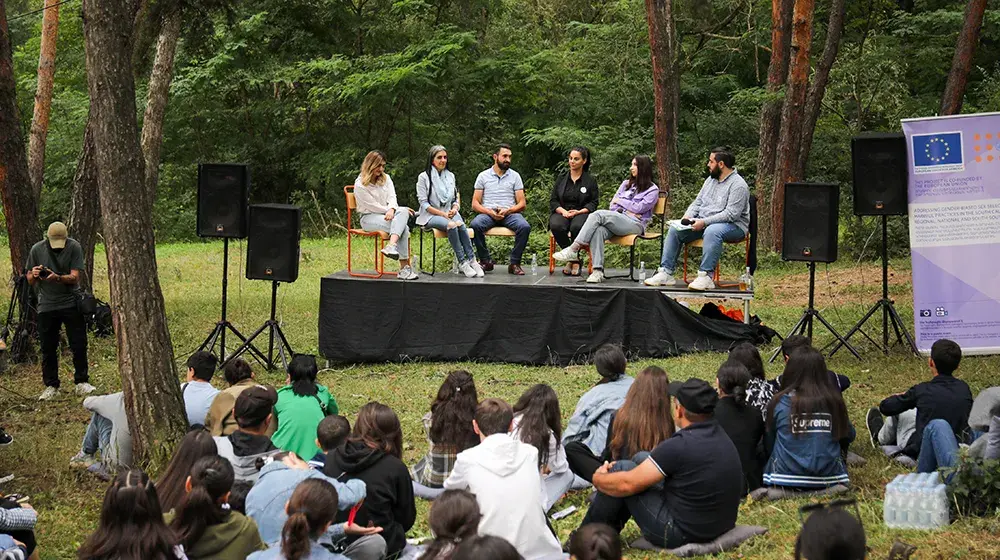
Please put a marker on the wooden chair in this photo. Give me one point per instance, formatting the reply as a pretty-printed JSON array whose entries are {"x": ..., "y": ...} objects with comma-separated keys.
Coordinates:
[
  {"x": 552, "y": 260},
  {"x": 438, "y": 234},
  {"x": 718, "y": 266},
  {"x": 380, "y": 238}
]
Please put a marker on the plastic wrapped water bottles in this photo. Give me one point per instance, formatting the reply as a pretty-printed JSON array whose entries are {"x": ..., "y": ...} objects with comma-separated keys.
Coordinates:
[{"x": 916, "y": 501}]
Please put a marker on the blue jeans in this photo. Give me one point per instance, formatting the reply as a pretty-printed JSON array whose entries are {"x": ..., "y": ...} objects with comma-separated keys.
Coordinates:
[
  {"x": 714, "y": 235},
  {"x": 647, "y": 508},
  {"x": 513, "y": 222},
  {"x": 938, "y": 448},
  {"x": 98, "y": 434},
  {"x": 457, "y": 236}
]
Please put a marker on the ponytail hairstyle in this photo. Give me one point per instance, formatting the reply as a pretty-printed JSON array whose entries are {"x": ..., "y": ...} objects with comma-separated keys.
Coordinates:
[
  {"x": 302, "y": 372},
  {"x": 610, "y": 362},
  {"x": 312, "y": 507},
  {"x": 454, "y": 517},
  {"x": 733, "y": 378},
  {"x": 211, "y": 481},
  {"x": 540, "y": 419},
  {"x": 595, "y": 541}
]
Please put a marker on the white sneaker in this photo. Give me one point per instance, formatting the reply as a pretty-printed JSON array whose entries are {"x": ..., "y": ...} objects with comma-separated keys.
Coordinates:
[
  {"x": 391, "y": 251},
  {"x": 702, "y": 282},
  {"x": 467, "y": 269},
  {"x": 48, "y": 394},
  {"x": 407, "y": 273},
  {"x": 480, "y": 273},
  {"x": 566, "y": 255},
  {"x": 85, "y": 388},
  {"x": 82, "y": 460},
  {"x": 596, "y": 277},
  {"x": 662, "y": 278}
]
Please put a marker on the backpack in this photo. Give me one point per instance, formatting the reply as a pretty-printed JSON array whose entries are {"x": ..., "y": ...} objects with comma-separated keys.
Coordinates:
[{"x": 100, "y": 321}]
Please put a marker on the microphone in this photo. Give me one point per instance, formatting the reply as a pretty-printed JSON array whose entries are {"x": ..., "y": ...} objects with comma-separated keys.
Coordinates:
[{"x": 686, "y": 222}]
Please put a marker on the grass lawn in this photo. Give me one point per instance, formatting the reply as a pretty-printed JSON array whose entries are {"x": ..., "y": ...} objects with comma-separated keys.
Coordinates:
[{"x": 48, "y": 434}]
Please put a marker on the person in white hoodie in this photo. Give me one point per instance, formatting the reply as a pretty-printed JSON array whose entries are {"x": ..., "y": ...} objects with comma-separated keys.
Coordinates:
[{"x": 503, "y": 474}]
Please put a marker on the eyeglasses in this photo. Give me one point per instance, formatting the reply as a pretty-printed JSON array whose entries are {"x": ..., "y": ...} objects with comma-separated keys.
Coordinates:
[{"x": 808, "y": 509}]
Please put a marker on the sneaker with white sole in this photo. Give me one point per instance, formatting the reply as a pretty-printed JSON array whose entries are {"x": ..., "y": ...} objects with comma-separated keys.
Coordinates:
[
  {"x": 702, "y": 282},
  {"x": 5, "y": 438},
  {"x": 48, "y": 394},
  {"x": 874, "y": 422},
  {"x": 82, "y": 460},
  {"x": 407, "y": 273},
  {"x": 596, "y": 277},
  {"x": 85, "y": 388},
  {"x": 467, "y": 270},
  {"x": 480, "y": 273},
  {"x": 391, "y": 251},
  {"x": 566, "y": 255},
  {"x": 662, "y": 278}
]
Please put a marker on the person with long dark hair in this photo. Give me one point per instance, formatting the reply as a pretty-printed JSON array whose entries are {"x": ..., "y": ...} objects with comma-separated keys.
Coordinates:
[
  {"x": 302, "y": 404},
  {"x": 595, "y": 541},
  {"x": 373, "y": 454},
  {"x": 440, "y": 203},
  {"x": 643, "y": 421},
  {"x": 486, "y": 547},
  {"x": 195, "y": 445},
  {"x": 207, "y": 528},
  {"x": 741, "y": 422},
  {"x": 131, "y": 526},
  {"x": 719, "y": 214},
  {"x": 574, "y": 198},
  {"x": 538, "y": 422},
  {"x": 630, "y": 210},
  {"x": 760, "y": 391},
  {"x": 454, "y": 517},
  {"x": 807, "y": 425},
  {"x": 449, "y": 432},
  {"x": 311, "y": 510}
]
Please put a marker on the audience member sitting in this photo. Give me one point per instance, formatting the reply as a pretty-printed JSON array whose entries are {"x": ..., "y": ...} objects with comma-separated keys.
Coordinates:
[
  {"x": 596, "y": 541},
  {"x": 831, "y": 534},
  {"x": 538, "y": 422},
  {"x": 807, "y": 426},
  {"x": 238, "y": 496},
  {"x": 943, "y": 397},
  {"x": 278, "y": 480},
  {"x": 373, "y": 454},
  {"x": 503, "y": 474},
  {"x": 249, "y": 444},
  {"x": 741, "y": 422},
  {"x": 220, "y": 420},
  {"x": 311, "y": 510},
  {"x": 642, "y": 423},
  {"x": 591, "y": 420},
  {"x": 198, "y": 392},
  {"x": 486, "y": 547},
  {"x": 302, "y": 403},
  {"x": 172, "y": 486},
  {"x": 107, "y": 432},
  {"x": 759, "y": 390},
  {"x": 205, "y": 525},
  {"x": 12, "y": 549},
  {"x": 331, "y": 433},
  {"x": 792, "y": 344},
  {"x": 449, "y": 432},
  {"x": 17, "y": 521},
  {"x": 982, "y": 419},
  {"x": 939, "y": 446},
  {"x": 131, "y": 524},
  {"x": 687, "y": 490},
  {"x": 454, "y": 517}
]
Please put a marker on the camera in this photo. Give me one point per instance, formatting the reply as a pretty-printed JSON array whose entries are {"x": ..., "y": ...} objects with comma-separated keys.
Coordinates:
[{"x": 45, "y": 273}]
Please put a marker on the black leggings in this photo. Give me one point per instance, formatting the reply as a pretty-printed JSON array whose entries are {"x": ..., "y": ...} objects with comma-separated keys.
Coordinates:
[{"x": 582, "y": 460}]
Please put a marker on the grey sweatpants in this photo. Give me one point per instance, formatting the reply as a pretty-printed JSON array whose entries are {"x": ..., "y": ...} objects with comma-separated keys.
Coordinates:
[
  {"x": 398, "y": 226},
  {"x": 897, "y": 430},
  {"x": 603, "y": 225}
]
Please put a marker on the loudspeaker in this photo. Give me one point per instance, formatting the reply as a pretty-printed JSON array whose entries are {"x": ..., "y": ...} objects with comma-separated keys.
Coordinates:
[
  {"x": 811, "y": 221},
  {"x": 880, "y": 175},
  {"x": 223, "y": 191},
  {"x": 273, "y": 245}
]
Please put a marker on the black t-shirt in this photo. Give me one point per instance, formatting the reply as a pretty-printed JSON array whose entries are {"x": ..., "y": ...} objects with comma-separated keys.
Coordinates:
[
  {"x": 52, "y": 296},
  {"x": 702, "y": 480},
  {"x": 745, "y": 427}
]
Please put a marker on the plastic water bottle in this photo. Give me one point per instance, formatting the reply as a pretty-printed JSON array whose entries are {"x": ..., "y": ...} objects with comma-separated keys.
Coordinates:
[
  {"x": 941, "y": 515},
  {"x": 891, "y": 503},
  {"x": 642, "y": 271},
  {"x": 454, "y": 266},
  {"x": 534, "y": 265}
]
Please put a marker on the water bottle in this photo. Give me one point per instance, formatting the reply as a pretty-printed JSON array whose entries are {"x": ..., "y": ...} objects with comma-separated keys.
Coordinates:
[
  {"x": 454, "y": 266},
  {"x": 941, "y": 505},
  {"x": 889, "y": 504},
  {"x": 534, "y": 265},
  {"x": 642, "y": 271}
]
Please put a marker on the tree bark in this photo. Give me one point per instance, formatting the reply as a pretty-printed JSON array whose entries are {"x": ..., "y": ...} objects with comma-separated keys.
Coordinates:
[
  {"x": 770, "y": 112},
  {"x": 85, "y": 214},
  {"x": 663, "y": 47},
  {"x": 20, "y": 207},
  {"x": 145, "y": 355},
  {"x": 43, "y": 95},
  {"x": 814, "y": 101},
  {"x": 787, "y": 156},
  {"x": 156, "y": 99},
  {"x": 961, "y": 63}
]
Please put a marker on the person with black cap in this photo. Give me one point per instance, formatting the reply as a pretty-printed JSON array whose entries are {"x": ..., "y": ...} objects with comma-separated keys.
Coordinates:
[
  {"x": 250, "y": 442},
  {"x": 687, "y": 490}
]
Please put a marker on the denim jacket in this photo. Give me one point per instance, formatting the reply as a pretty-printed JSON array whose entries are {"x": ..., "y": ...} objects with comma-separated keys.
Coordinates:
[
  {"x": 805, "y": 453},
  {"x": 592, "y": 418}
]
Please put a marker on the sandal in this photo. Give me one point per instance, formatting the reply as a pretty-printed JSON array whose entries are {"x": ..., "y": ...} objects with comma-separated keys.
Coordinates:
[
  {"x": 576, "y": 269},
  {"x": 568, "y": 269}
]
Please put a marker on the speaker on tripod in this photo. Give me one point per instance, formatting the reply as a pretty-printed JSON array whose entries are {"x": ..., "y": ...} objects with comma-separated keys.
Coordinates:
[
  {"x": 811, "y": 221},
  {"x": 880, "y": 189}
]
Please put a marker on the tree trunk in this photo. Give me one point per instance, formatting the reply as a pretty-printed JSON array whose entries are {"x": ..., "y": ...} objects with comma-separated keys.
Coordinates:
[
  {"x": 20, "y": 207},
  {"x": 787, "y": 156},
  {"x": 814, "y": 101},
  {"x": 156, "y": 100},
  {"x": 961, "y": 63},
  {"x": 770, "y": 112},
  {"x": 43, "y": 95},
  {"x": 145, "y": 355},
  {"x": 85, "y": 214},
  {"x": 663, "y": 48}
]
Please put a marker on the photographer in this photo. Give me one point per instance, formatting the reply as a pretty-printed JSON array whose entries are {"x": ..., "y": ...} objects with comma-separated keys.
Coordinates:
[{"x": 54, "y": 266}]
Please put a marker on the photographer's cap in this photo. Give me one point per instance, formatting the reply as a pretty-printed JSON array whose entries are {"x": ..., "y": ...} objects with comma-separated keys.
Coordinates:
[
  {"x": 57, "y": 235},
  {"x": 695, "y": 395}
]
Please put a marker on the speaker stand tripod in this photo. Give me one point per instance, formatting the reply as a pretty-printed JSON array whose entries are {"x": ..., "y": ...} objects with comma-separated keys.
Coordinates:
[
  {"x": 889, "y": 313},
  {"x": 218, "y": 334},
  {"x": 805, "y": 324},
  {"x": 273, "y": 328}
]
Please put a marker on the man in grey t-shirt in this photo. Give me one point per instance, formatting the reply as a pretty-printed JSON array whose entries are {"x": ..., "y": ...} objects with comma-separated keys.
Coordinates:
[
  {"x": 499, "y": 199},
  {"x": 53, "y": 268}
]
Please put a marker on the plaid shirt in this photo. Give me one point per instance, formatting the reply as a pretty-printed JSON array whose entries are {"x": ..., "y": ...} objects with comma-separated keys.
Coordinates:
[
  {"x": 433, "y": 469},
  {"x": 17, "y": 519}
]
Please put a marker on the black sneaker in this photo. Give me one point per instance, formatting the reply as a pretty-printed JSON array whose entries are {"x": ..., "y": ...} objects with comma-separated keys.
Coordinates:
[
  {"x": 5, "y": 438},
  {"x": 874, "y": 421}
]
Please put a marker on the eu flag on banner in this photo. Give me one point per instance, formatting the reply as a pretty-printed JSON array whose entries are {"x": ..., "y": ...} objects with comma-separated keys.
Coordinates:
[{"x": 934, "y": 153}]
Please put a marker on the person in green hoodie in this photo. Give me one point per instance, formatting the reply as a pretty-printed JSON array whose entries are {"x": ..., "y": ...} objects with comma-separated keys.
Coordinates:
[
  {"x": 302, "y": 405},
  {"x": 206, "y": 528}
]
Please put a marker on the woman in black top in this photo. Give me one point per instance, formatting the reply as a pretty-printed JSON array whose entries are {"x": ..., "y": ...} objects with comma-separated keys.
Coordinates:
[
  {"x": 741, "y": 422},
  {"x": 574, "y": 197}
]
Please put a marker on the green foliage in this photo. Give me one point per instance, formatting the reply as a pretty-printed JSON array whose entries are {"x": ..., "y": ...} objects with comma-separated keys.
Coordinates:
[{"x": 974, "y": 489}]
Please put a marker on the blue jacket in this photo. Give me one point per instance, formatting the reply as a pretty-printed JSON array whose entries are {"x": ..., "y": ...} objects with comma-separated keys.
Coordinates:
[
  {"x": 592, "y": 418},
  {"x": 804, "y": 453},
  {"x": 316, "y": 552}
]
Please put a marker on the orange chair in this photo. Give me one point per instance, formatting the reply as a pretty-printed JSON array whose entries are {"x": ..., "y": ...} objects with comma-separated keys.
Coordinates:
[
  {"x": 552, "y": 260},
  {"x": 380, "y": 238}
]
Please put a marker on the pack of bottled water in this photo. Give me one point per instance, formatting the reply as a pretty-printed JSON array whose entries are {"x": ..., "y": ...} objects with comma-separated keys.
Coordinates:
[{"x": 916, "y": 501}]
